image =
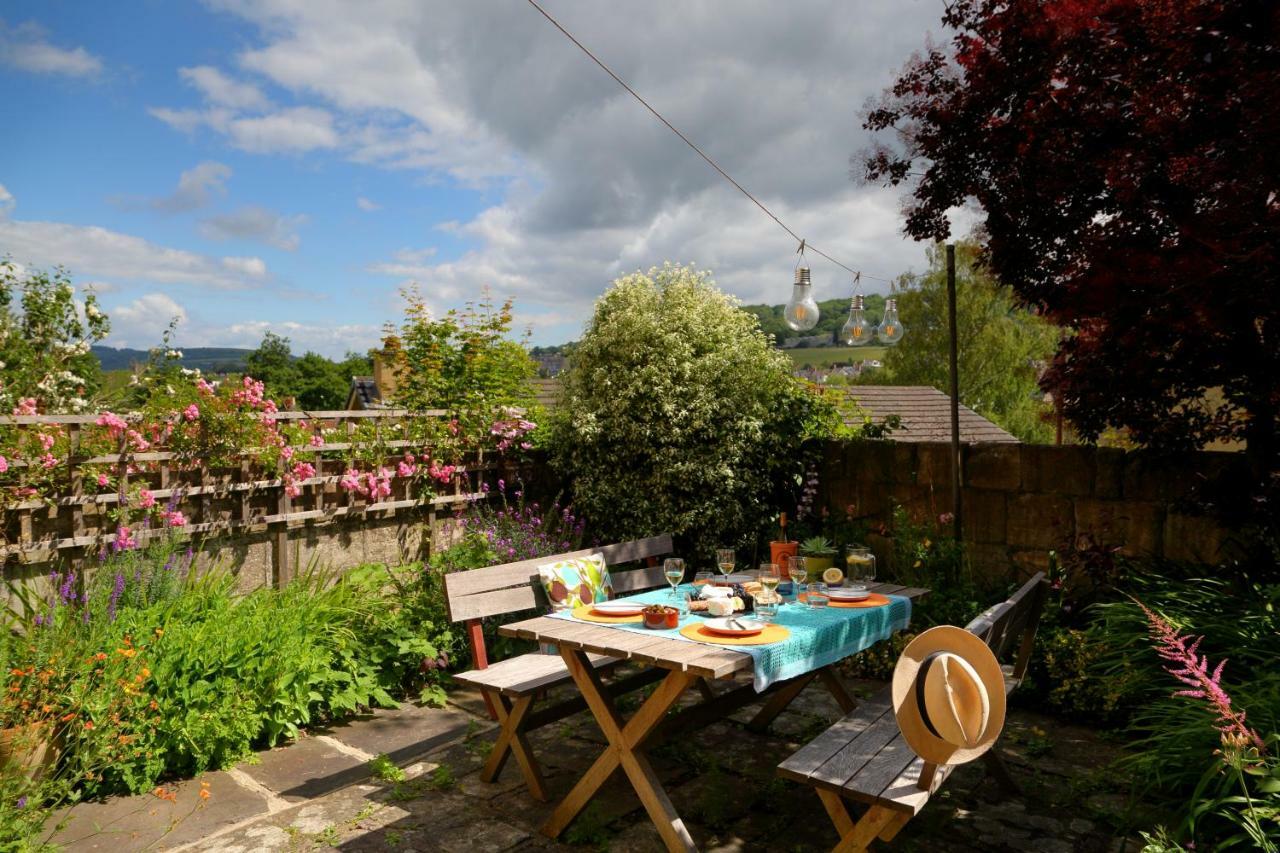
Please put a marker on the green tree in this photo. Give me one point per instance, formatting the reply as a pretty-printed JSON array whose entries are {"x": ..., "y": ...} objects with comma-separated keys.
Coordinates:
[
  {"x": 1001, "y": 347},
  {"x": 45, "y": 341},
  {"x": 273, "y": 364},
  {"x": 678, "y": 415},
  {"x": 832, "y": 314}
]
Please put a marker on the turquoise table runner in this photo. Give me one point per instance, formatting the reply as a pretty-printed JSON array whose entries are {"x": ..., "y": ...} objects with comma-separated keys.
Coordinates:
[{"x": 819, "y": 637}]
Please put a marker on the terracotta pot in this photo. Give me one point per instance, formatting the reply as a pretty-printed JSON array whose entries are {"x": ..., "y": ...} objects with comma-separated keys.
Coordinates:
[
  {"x": 29, "y": 748},
  {"x": 778, "y": 550}
]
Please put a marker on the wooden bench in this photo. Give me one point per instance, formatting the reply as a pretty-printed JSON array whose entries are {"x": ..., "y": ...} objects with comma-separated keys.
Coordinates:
[
  {"x": 510, "y": 687},
  {"x": 863, "y": 757}
]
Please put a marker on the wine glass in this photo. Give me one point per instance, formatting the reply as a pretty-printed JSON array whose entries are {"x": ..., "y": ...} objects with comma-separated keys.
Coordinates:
[
  {"x": 673, "y": 568},
  {"x": 860, "y": 565},
  {"x": 798, "y": 571},
  {"x": 770, "y": 577},
  {"x": 725, "y": 561}
]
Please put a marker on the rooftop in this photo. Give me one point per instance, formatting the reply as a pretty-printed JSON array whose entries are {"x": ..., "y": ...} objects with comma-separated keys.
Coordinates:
[{"x": 925, "y": 413}]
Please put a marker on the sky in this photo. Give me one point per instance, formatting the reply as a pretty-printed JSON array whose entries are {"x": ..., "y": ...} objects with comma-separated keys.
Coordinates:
[{"x": 291, "y": 165}]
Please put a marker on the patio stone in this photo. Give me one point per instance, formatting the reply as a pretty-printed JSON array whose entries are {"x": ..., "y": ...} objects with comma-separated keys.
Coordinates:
[
  {"x": 403, "y": 733},
  {"x": 306, "y": 769},
  {"x": 124, "y": 824}
]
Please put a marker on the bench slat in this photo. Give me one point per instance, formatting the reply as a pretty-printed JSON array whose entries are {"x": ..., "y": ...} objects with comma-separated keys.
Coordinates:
[
  {"x": 526, "y": 673},
  {"x": 818, "y": 751},
  {"x": 904, "y": 793},
  {"x": 845, "y": 764},
  {"x": 878, "y": 774},
  {"x": 493, "y": 603}
]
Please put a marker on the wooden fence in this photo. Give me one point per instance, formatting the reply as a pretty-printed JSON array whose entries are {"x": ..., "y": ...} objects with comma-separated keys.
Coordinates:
[{"x": 224, "y": 502}]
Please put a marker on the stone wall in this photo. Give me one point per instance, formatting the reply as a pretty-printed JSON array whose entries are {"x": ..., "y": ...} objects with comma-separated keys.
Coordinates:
[{"x": 1020, "y": 501}]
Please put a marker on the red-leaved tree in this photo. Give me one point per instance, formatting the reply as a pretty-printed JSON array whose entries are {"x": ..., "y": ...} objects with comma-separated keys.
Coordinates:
[{"x": 1126, "y": 156}]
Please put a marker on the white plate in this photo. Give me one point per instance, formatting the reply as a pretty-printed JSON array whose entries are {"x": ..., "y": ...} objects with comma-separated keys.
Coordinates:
[
  {"x": 736, "y": 626},
  {"x": 618, "y": 608},
  {"x": 847, "y": 594}
]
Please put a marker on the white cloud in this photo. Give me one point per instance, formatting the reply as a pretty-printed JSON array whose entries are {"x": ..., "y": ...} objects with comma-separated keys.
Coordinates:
[
  {"x": 141, "y": 323},
  {"x": 255, "y": 223},
  {"x": 220, "y": 89},
  {"x": 26, "y": 48},
  {"x": 294, "y": 129},
  {"x": 195, "y": 187},
  {"x": 91, "y": 251},
  {"x": 7, "y": 202},
  {"x": 367, "y": 205}
]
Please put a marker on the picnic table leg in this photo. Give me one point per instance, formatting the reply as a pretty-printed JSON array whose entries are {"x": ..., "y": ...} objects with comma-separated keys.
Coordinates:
[
  {"x": 832, "y": 679},
  {"x": 779, "y": 701},
  {"x": 512, "y": 741},
  {"x": 625, "y": 750}
]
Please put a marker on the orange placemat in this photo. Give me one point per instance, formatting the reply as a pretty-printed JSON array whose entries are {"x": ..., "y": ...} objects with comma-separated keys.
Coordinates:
[
  {"x": 771, "y": 634},
  {"x": 585, "y": 613},
  {"x": 875, "y": 599}
]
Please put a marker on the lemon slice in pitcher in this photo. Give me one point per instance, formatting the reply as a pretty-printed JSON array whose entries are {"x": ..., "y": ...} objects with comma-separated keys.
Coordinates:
[{"x": 833, "y": 576}]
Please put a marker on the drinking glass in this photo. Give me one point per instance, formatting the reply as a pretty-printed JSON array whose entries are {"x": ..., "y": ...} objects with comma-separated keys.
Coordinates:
[
  {"x": 673, "y": 568},
  {"x": 817, "y": 595},
  {"x": 700, "y": 578},
  {"x": 770, "y": 577},
  {"x": 683, "y": 604},
  {"x": 860, "y": 565},
  {"x": 725, "y": 561},
  {"x": 767, "y": 610},
  {"x": 798, "y": 570}
]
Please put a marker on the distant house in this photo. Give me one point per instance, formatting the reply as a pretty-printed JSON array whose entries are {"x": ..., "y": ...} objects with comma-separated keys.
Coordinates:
[
  {"x": 551, "y": 364},
  {"x": 925, "y": 414},
  {"x": 372, "y": 392},
  {"x": 364, "y": 394}
]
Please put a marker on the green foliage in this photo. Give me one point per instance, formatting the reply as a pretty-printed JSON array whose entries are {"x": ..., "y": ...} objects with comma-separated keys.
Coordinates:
[
  {"x": 151, "y": 673},
  {"x": 679, "y": 416},
  {"x": 1001, "y": 347},
  {"x": 382, "y": 767},
  {"x": 314, "y": 382},
  {"x": 44, "y": 344}
]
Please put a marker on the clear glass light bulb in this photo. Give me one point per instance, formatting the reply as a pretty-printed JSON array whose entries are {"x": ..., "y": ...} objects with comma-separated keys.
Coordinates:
[
  {"x": 856, "y": 331},
  {"x": 890, "y": 330},
  {"x": 801, "y": 313}
]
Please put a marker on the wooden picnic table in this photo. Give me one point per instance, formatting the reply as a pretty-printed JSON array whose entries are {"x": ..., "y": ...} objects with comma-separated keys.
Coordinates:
[{"x": 687, "y": 664}]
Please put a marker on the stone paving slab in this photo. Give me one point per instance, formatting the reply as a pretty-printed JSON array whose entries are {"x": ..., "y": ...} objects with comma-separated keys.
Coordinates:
[
  {"x": 306, "y": 769},
  {"x": 126, "y": 824},
  {"x": 407, "y": 732}
]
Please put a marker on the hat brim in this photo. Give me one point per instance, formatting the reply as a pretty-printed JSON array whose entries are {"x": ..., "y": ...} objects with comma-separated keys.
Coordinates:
[{"x": 946, "y": 638}]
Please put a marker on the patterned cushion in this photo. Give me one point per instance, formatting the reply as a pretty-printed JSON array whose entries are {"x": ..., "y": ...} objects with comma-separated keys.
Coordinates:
[{"x": 570, "y": 583}]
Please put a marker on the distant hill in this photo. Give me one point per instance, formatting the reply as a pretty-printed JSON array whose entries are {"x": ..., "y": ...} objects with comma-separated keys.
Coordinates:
[{"x": 210, "y": 359}]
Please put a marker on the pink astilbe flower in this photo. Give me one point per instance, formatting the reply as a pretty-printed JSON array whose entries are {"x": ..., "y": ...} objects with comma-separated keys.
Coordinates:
[
  {"x": 4, "y": 464},
  {"x": 1192, "y": 668}
]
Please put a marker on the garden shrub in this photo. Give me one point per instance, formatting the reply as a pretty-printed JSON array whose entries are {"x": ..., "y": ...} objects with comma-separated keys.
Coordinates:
[
  {"x": 150, "y": 673},
  {"x": 678, "y": 415}
]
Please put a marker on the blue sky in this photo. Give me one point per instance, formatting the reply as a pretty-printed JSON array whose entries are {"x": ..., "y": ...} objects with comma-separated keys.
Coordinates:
[{"x": 255, "y": 164}]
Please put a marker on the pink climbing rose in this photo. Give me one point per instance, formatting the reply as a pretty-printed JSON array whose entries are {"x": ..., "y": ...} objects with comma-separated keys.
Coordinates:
[
  {"x": 191, "y": 412},
  {"x": 146, "y": 500},
  {"x": 175, "y": 518},
  {"x": 4, "y": 464}
]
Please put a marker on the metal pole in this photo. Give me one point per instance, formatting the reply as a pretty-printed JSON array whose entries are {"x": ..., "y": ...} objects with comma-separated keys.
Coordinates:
[{"x": 956, "y": 506}]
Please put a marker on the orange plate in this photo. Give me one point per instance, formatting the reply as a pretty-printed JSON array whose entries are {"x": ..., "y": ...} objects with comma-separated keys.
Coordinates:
[{"x": 875, "y": 599}]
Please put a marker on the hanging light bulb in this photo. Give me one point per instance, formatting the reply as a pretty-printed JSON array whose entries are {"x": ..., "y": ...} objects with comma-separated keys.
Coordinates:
[
  {"x": 856, "y": 331},
  {"x": 801, "y": 313},
  {"x": 890, "y": 330}
]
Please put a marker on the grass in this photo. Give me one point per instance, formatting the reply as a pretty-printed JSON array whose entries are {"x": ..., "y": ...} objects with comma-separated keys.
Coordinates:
[{"x": 827, "y": 356}]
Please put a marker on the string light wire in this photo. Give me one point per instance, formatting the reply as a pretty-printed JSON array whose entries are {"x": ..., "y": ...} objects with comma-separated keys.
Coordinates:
[{"x": 804, "y": 244}]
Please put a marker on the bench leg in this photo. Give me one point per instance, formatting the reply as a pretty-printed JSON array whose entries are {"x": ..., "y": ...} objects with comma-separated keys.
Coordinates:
[
  {"x": 996, "y": 766},
  {"x": 831, "y": 678},
  {"x": 837, "y": 811},
  {"x": 891, "y": 829},
  {"x": 874, "y": 822},
  {"x": 512, "y": 741},
  {"x": 705, "y": 689}
]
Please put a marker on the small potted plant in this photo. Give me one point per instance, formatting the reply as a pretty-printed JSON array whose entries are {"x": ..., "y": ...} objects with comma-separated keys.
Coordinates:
[
  {"x": 782, "y": 547},
  {"x": 819, "y": 554}
]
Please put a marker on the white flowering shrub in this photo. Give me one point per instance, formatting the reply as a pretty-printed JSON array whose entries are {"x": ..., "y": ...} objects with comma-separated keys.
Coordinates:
[
  {"x": 678, "y": 415},
  {"x": 45, "y": 338}
]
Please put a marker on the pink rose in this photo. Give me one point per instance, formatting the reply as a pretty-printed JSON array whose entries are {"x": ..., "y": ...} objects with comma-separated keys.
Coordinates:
[
  {"x": 103, "y": 482},
  {"x": 175, "y": 518},
  {"x": 4, "y": 464},
  {"x": 146, "y": 500},
  {"x": 191, "y": 412}
]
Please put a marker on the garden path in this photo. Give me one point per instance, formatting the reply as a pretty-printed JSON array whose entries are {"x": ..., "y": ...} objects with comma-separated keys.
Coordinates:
[{"x": 319, "y": 793}]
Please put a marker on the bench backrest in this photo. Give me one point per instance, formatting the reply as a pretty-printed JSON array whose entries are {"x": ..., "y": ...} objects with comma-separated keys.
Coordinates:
[
  {"x": 1011, "y": 625},
  {"x": 509, "y": 588}
]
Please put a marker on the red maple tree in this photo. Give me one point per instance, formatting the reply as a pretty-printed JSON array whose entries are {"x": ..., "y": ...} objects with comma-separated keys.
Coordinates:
[{"x": 1126, "y": 156}]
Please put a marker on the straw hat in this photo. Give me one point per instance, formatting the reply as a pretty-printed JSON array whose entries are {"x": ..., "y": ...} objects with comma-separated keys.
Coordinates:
[{"x": 948, "y": 695}]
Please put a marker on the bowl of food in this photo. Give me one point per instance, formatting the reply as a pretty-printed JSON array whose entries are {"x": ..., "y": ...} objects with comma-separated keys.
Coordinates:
[{"x": 657, "y": 616}]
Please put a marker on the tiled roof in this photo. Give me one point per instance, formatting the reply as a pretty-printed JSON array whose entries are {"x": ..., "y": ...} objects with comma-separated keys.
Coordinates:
[
  {"x": 364, "y": 393},
  {"x": 925, "y": 413}
]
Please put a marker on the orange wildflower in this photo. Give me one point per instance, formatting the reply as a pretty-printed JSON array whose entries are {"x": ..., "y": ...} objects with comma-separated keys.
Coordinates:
[
  {"x": 100, "y": 656},
  {"x": 88, "y": 725},
  {"x": 204, "y": 793}
]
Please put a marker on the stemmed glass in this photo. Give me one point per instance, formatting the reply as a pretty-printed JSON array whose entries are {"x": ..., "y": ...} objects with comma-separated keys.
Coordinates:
[
  {"x": 798, "y": 571},
  {"x": 673, "y": 568},
  {"x": 860, "y": 565},
  {"x": 767, "y": 602},
  {"x": 725, "y": 561}
]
